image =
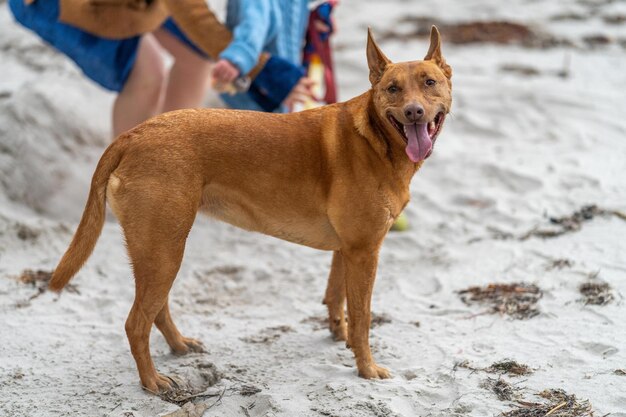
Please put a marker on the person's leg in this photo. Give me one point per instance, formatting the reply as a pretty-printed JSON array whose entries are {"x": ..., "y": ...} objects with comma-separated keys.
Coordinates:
[
  {"x": 142, "y": 95},
  {"x": 189, "y": 75}
]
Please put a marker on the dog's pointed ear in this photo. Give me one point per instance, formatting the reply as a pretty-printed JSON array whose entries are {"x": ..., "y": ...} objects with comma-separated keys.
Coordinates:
[
  {"x": 376, "y": 60},
  {"x": 434, "y": 52}
]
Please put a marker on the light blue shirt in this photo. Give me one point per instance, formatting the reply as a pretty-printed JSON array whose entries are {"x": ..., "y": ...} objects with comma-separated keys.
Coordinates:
[{"x": 274, "y": 26}]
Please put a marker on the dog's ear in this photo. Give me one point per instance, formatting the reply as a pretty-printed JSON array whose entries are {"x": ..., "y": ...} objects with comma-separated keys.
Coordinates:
[
  {"x": 376, "y": 60},
  {"x": 434, "y": 52}
]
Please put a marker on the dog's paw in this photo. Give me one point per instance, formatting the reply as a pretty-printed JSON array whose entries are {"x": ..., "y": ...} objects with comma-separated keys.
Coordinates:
[
  {"x": 373, "y": 371},
  {"x": 188, "y": 345},
  {"x": 339, "y": 331},
  {"x": 159, "y": 384},
  {"x": 194, "y": 345}
]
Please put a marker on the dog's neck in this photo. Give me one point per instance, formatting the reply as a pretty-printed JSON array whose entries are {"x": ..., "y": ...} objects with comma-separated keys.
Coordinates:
[{"x": 379, "y": 134}]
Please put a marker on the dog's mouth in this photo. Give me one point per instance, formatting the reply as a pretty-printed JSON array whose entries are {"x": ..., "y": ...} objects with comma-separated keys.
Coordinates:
[{"x": 419, "y": 137}]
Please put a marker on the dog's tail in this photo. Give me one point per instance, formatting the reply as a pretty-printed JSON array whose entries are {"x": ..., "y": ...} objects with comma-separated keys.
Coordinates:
[{"x": 92, "y": 221}]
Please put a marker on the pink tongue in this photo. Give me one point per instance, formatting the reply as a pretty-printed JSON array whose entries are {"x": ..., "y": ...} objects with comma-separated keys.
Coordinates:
[{"x": 419, "y": 141}]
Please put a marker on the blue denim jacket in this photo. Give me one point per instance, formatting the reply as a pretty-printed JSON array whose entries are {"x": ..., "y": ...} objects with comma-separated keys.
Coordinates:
[{"x": 274, "y": 26}]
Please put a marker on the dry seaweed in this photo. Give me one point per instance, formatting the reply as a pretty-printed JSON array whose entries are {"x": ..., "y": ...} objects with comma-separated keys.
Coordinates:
[
  {"x": 248, "y": 390},
  {"x": 507, "y": 366},
  {"x": 558, "y": 225},
  {"x": 571, "y": 223},
  {"x": 519, "y": 69},
  {"x": 503, "y": 390},
  {"x": 28, "y": 276},
  {"x": 594, "y": 41},
  {"x": 565, "y": 224},
  {"x": 25, "y": 232},
  {"x": 501, "y": 32},
  {"x": 517, "y": 300},
  {"x": 530, "y": 71},
  {"x": 39, "y": 280},
  {"x": 269, "y": 335},
  {"x": 615, "y": 19},
  {"x": 318, "y": 322},
  {"x": 497, "y": 31},
  {"x": 596, "y": 293},
  {"x": 569, "y": 16},
  {"x": 560, "y": 263},
  {"x": 558, "y": 404},
  {"x": 379, "y": 319}
]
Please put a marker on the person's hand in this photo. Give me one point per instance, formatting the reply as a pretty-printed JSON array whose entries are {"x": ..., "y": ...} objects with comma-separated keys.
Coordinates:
[
  {"x": 301, "y": 92},
  {"x": 321, "y": 26},
  {"x": 224, "y": 72}
]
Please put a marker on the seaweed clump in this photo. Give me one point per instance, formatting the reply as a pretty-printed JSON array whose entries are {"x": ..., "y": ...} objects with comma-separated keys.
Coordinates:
[
  {"x": 517, "y": 300},
  {"x": 596, "y": 293},
  {"x": 558, "y": 404},
  {"x": 503, "y": 390},
  {"x": 572, "y": 222},
  {"x": 39, "y": 280},
  {"x": 507, "y": 366}
]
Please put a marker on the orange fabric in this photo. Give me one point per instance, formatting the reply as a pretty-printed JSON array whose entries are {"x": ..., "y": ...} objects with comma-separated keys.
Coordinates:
[
  {"x": 200, "y": 25},
  {"x": 120, "y": 19},
  {"x": 113, "y": 19}
]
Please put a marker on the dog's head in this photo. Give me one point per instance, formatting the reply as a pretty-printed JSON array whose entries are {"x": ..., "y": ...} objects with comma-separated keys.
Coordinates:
[{"x": 412, "y": 97}]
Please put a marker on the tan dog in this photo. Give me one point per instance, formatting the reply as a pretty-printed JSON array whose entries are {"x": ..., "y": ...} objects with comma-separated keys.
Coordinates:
[{"x": 333, "y": 178}]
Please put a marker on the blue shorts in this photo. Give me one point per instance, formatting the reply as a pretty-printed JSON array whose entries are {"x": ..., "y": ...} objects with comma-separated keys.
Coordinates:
[{"x": 107, "y": 62}]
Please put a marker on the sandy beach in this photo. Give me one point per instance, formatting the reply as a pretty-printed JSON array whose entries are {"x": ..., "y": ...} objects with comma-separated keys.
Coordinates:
[{"x": 527, "y": 186}]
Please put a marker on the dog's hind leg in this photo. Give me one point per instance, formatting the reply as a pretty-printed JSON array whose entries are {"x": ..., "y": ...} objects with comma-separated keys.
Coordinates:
[
  {"x": 179, "y": 344},
  {"x": 155, "y": 265},
  {"x": 156, "y": 226},
  {"x": 335, "y": 298}
]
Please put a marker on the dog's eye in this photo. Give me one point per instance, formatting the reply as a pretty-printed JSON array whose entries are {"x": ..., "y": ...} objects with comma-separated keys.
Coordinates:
[
  {"x": 393, "y": 89},
  {"x": 430, "y": 82}
]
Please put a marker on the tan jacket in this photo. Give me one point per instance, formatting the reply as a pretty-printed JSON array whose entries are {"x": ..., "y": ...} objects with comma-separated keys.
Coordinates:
[{"x": 119, "y": 19}]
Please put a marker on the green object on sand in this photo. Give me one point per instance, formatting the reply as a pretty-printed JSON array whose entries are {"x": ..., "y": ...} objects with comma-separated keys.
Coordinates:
[{"x": 401, "y": 224}]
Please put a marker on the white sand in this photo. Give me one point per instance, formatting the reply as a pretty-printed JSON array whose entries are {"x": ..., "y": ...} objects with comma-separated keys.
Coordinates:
[{"x": 515, "y": 150}]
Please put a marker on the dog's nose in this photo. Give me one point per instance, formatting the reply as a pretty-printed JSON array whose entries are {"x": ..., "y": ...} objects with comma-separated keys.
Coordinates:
[{"x": 413, "y": 112}]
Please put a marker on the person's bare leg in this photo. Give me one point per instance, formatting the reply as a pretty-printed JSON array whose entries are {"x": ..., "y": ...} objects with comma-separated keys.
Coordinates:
[
  {"x": 141, "y": 97},
  {"x": 189, "y": 75}
]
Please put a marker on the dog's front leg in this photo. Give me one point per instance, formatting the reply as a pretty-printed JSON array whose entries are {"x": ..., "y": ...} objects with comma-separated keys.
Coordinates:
[
  {"x": 335, "y": 298},
  {"x": 360, "y": 272}
]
